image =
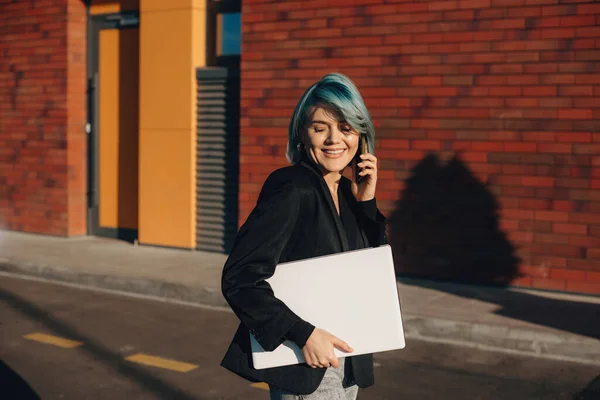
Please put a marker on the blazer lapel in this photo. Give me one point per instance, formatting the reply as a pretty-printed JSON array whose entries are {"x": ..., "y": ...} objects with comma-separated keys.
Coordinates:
[{"x": 331, "y": 205}]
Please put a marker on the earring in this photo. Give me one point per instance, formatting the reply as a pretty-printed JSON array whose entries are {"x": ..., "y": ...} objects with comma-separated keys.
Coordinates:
[{"x": 299, "y": 146}]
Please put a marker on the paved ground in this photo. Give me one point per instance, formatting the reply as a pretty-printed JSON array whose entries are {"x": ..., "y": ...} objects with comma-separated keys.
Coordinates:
[
  {"x": 555, "y": 325},
  {"x": 106, "y": 329}
]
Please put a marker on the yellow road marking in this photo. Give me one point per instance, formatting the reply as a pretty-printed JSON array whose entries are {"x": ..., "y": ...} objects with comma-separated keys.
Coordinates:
[
  {"x": 160, "y": 362},
  {"x": 54, "y": 340},
  {"x": 260, "y": 385}
]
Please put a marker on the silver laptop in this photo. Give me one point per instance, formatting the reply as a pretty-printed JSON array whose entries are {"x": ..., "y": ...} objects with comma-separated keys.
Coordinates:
[{"x": 352, "y": 295}]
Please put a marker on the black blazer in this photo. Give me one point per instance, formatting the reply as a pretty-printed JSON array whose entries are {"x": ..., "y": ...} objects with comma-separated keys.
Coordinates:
[{"x": 294, "y": 218}]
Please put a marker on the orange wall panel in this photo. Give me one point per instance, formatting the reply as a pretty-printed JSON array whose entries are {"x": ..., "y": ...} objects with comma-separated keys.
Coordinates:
[{"x": 167, "y": 213}]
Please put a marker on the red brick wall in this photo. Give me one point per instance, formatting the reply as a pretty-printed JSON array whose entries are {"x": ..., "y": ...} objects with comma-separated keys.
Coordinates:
[
  {"x": 42, "y": 114},
  {"x": 509, "y": 87},
  {"x": 76, "y": 117}
]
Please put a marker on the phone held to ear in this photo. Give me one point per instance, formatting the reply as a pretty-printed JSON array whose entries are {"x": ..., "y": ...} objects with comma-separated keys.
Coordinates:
[{"x": 363, "y": 148}]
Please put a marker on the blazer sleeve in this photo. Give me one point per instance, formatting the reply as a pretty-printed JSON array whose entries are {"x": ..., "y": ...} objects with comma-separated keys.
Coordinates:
[
  {"x": 257, "y": 250},
  {"x": 373, "y": 222}
]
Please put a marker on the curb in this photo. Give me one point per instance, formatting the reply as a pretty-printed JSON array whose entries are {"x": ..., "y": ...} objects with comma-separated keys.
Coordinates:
[
  {"x": 202, "y": 295},
  {"x": 527, "y": 342}
]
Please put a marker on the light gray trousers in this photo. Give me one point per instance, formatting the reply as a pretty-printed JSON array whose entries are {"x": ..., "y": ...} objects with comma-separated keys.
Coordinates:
[{"x": 331, "y": 388}]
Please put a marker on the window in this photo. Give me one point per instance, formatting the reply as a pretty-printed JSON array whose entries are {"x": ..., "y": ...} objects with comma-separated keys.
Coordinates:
[
  {"x": 229, "y": 32},
  {"x": 224, "y": 33}
]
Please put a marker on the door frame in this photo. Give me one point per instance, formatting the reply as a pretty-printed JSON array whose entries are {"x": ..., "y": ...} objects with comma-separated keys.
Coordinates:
[{"x": 96, "y": 23}]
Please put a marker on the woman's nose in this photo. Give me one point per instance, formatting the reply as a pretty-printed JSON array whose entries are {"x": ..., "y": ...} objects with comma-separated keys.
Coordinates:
[{"x": 335, "y": 136}]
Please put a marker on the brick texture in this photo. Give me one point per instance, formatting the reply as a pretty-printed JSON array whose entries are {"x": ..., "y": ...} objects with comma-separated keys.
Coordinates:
[
  {"x": 487, "y": 115},
  {"x": 42, "y": 114}
]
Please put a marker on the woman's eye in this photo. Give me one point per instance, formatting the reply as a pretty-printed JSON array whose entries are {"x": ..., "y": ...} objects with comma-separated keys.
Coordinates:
[
  {"x": 346, "y": 129},
  {"x": 317, "y": 129}
]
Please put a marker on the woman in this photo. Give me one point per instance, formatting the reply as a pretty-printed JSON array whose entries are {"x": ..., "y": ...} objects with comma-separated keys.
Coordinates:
[{"x": 306, "y": 210}]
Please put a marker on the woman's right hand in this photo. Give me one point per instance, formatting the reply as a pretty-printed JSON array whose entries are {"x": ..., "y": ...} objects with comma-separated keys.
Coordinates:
[{"x": 318, "y": 351}]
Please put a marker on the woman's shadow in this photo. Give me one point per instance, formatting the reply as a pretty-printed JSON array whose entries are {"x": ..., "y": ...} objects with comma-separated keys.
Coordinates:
[{"x": 445, "y": 228}]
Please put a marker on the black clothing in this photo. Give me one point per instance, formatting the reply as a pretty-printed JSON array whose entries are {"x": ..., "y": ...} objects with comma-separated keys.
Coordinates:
[{"x": 295, "y": 218}]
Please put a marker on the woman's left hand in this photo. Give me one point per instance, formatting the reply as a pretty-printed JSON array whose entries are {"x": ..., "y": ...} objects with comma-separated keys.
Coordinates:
[{"x": 365, "y": 190}]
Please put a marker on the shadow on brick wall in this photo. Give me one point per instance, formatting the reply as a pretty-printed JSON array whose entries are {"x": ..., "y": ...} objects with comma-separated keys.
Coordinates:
[
  {"x": 446, "y": 226},
  {"x": 445, "y": 230}
]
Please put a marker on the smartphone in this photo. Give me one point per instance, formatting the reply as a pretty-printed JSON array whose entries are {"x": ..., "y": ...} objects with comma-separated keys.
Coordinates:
[{"x": 363, "y": 148}]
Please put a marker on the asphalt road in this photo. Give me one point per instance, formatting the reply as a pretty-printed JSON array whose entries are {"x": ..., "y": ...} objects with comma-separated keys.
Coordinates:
[{"x": 68, "y": 343}]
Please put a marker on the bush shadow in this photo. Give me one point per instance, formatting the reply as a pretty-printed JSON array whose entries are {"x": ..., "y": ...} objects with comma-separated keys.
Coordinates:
[
  {"x": 14, "y": 386},
  {"x": 446, "y": 236}
]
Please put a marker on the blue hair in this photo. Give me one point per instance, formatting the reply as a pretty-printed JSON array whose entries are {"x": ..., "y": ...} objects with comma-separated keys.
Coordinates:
[{"x": 339, "y": 93}]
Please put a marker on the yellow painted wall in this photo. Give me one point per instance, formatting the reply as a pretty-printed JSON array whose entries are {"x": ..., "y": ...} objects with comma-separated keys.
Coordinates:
[{"x": 172, "y": 45}]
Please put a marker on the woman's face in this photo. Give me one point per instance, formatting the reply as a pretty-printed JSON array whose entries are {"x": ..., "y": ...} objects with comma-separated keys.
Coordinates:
[{"x": 330, "y": 142}]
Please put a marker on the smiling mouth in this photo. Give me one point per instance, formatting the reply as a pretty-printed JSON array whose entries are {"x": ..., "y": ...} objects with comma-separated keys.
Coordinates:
[{"x": 333, "y": 152}]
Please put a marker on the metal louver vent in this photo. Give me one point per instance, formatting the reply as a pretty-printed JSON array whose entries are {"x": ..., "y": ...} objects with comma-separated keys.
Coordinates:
[{"x": 217, "y": 159}]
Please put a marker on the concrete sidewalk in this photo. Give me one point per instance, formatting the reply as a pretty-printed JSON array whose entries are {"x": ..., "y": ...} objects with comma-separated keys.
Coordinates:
[{"x": 543, "y": 324}]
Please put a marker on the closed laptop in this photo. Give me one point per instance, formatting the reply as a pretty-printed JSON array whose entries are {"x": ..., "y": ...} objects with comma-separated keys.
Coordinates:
[{"x": 352, "y": 295}]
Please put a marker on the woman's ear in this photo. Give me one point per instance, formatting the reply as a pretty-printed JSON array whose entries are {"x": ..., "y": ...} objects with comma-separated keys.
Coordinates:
[{"x": 302, "y": 140}]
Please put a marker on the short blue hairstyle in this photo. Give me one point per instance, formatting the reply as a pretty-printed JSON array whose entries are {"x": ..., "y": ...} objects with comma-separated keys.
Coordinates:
[{"x": 335, "y": 91}]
